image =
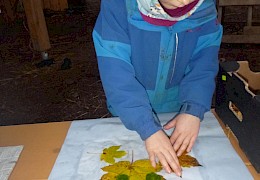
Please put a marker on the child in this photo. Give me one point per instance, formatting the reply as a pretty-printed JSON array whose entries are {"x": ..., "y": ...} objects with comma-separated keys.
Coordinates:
[{"x": 159, "y": 56}]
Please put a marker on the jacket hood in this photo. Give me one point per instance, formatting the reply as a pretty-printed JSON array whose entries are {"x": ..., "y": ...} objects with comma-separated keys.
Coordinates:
[{"x": 153, "y": 9}]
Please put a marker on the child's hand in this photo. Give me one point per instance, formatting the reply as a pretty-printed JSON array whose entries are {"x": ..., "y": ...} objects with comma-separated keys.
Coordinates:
[
  {"x": 159, "y": 147},
  {"x": 173, "y": 4},
  {"x": 185, "y": 133}
]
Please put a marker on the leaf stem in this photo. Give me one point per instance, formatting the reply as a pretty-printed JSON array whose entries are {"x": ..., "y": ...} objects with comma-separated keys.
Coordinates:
[{"x": 132, "y": 156}]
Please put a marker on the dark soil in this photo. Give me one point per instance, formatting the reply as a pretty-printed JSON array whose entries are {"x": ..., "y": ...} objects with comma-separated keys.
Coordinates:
[{"x": 32, "y": 95}]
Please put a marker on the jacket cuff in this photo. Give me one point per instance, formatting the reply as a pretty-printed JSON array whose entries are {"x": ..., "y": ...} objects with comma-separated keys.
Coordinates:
[
  {"x": 193, "y": 109},
  {"x": 146, "y": 131}
]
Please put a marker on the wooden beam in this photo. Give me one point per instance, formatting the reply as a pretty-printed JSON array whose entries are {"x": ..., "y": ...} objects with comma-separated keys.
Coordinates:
[
  {"x": 249, "y": 30},
  {"x": 238, "y": 2},
  {"x": 63, "y": 5},
  {"x": 37, "y": 25},
  {"x": 55, "y": 5},
  {"x": 46, "y": 4},
  {"x": 249, "y": 15},
  {"x": 254, "y": 39}
]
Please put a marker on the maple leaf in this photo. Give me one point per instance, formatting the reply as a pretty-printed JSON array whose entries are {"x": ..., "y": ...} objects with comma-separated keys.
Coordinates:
[
  {"x": 137, "y": 170},
  {"x": 109, "y": 154},
  {"x": 186, "y": 160}
]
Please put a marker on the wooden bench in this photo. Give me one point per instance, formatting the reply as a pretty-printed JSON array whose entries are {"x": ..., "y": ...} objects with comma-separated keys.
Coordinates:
[{"x": 251, "y": 34}]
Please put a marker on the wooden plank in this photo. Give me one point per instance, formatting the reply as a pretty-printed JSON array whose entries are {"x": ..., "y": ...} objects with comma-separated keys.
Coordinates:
[
  {"x": 37, "y": 25},
  {"x": 238, "y": 2},
  {"x": 254, "y": 39},
  {"x": 242, "y": 20},
  {"x": 55, "y": 5},
  {"x": 249, "y": 15},
  {"x": 250, "y": 30},
  {"x": 46, "y": 4},
  {"x": 63, "y": 4}
]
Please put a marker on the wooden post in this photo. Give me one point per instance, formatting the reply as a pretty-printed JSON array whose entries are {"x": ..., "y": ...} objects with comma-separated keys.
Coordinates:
[
  {"x": 46, "y": 4},
  {"x": 37, "y": 25},
  {"x": 63, "y": 5},
  {"x": 249, "y": 16},
  {"x": 55, "y": 5}
]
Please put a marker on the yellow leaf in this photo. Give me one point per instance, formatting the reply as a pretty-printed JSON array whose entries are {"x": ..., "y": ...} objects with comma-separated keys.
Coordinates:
[
  {"x": 186, "y": 160},
  {"x": 109, "y": 154},
  {"x": 109, "y": 176},
  {"x": 136, "y": 170}
]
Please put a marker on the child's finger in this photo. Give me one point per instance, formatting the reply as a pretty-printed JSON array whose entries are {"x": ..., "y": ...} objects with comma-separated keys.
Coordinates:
[
  {"x": 192, "y": 141},
  {"x": 183, "y": 146},
  {"x": 170, "y": 125},
  {"x": 152, "y": 159}
]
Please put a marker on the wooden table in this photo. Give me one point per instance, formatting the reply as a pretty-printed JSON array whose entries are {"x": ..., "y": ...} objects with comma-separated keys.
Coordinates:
[{"x": 42, "y": 144}]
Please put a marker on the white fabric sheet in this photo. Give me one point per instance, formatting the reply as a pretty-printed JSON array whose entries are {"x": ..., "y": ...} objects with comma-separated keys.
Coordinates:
[{"x": 79, "y": 158}]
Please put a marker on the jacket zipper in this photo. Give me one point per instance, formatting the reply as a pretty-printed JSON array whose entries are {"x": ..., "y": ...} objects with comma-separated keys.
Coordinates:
[{"x": 175, "y": 56}]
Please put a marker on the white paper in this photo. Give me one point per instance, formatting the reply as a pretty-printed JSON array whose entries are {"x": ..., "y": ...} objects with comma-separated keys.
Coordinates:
[
  {"x": 79, "y": 158},
  {"x": 8, "y": 158}
]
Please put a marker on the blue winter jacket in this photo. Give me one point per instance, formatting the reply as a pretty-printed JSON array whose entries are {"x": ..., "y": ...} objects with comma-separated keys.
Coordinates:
[{"x": 147, "y": 69}]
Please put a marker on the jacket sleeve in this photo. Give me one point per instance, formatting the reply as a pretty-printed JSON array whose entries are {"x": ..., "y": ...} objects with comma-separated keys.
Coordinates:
[
  {"x": 124, "y": 93},
  {"x": 198, "y": 85}
]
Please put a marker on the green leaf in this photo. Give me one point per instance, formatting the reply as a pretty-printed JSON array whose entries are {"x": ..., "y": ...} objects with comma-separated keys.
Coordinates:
[
  {"x": 122, "y": 177},
  {"x": 154, "y": 176}
]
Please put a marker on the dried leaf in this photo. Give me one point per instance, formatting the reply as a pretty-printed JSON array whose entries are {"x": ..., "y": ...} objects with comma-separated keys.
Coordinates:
[
  {"x": 137, "y": 170},
  {"x": 186, "y": 160},
  {"x": 109, "y": 154}
]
